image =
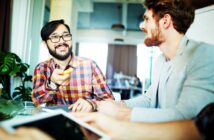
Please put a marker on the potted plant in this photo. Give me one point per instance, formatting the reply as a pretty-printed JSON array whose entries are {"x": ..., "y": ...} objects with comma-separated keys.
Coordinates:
[{"x": 12, "y": 66}]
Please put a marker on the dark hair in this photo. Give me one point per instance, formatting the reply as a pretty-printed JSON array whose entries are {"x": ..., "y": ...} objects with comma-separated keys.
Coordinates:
[
  {"x": 205, "y": 122},
  {"x": 50, "y": 27},
  {"x": 181, "y": 11}
]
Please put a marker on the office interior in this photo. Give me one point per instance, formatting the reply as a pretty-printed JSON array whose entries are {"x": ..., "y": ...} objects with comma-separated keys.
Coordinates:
[{"x": 106, "y": 31}]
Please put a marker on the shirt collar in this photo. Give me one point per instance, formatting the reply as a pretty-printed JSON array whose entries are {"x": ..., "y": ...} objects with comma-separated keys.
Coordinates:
[
  {"x": 182, "y": 46},
  {"x": 73, "y": 62}
]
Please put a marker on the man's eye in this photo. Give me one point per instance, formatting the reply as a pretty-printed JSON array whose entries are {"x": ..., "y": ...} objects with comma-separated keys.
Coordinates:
[
  {"x": 67, "y": 35},
  {"x": 54, "y": 37}
]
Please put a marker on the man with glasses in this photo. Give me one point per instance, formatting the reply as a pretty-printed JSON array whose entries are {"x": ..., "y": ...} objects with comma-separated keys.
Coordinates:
[{"x": 66, "y": 79}]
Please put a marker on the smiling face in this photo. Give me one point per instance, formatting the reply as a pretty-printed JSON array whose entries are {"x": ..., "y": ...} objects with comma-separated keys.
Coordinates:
[
  {"x": 151, "y": 27},
  {"x": 59, "y": 43}
]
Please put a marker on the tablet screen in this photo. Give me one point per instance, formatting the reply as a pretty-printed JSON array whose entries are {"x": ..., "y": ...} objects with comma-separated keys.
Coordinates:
[{"x": 61, "y": 127}]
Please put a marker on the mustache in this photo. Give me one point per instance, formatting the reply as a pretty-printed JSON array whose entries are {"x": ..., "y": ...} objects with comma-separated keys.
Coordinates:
[{"x": 62, "y": 44}]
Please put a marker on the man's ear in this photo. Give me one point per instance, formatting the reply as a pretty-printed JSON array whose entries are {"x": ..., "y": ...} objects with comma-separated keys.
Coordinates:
[{"x": 167, "y": 21}]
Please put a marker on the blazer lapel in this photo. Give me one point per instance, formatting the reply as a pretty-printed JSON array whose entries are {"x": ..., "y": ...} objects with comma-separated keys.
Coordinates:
[{"x": 156, "y": 80}]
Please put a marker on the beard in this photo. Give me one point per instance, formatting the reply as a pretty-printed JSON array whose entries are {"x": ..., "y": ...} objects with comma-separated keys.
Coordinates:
[
  {"x": 59, "y": 56},
  {"x": 155, "y": 39}
]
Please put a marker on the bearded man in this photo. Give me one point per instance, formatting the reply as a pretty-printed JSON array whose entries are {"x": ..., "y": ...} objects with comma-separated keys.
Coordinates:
[
  {"x": 66, "y": 79},
  {"x": 183, "y": 79}
]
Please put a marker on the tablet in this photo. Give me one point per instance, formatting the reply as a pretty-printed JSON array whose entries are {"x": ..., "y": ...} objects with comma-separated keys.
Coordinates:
[{"x": 58, "y": 124}]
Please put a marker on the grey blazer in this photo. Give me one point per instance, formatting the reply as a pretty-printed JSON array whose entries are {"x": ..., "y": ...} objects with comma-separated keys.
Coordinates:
[{"x": 189, "y": 85}]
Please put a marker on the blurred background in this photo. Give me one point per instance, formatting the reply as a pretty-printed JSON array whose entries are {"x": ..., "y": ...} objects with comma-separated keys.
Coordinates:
[{"x": 106, "y": 31}]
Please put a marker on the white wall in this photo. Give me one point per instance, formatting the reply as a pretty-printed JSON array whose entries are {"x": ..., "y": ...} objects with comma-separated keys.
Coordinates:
[
  {"x": 108, "y": 36},
  {"x": 202, "y": 28}
]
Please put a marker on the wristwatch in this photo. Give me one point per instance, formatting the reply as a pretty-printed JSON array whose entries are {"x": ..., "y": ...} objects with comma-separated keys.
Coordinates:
[{"x": 52, "y": 85}]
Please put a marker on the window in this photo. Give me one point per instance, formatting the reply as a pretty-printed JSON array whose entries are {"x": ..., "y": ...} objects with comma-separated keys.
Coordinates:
[
  {"x": 146, "y": 57},
  {"x": 95, "y": 51}
]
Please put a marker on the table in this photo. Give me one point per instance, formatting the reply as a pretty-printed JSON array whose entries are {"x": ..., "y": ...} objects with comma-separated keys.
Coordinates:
[{"x": 126, "y": 92}]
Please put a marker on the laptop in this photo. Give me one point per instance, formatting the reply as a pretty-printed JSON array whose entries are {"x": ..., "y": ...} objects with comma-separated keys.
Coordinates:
[{"x": 58, "y": 124}]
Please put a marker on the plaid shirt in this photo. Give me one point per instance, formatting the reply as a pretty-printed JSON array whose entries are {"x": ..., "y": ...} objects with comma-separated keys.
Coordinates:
[{"x": 87, "y": 81}]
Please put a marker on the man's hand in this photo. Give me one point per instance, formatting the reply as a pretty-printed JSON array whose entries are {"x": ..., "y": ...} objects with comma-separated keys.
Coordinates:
[
  {"x": 60, "y": 77},
  {"x": 115, "y": 109},
  {"x": 25, "y": 133},
  {"x": 114, "y": 128},
  {"x": 81, "y": 105},
  {"x": 126, "y": 130},
  {"x": 68, "y": 71}
]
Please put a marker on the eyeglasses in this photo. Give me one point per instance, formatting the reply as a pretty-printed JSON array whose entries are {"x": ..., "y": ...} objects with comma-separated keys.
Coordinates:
[{"x": 56, "y": 38}]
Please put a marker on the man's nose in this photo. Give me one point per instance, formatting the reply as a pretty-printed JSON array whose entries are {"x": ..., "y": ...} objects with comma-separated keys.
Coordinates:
[
  {"x": 141, "y": 26},
  {"x": 61, "y": 39}
]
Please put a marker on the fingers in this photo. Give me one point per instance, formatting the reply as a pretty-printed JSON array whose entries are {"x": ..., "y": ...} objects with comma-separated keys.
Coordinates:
[
  {"x": 63, "y": 79},
  {"x": 59, "y": 78},
  {"x": 33, "y": 133},
  {"x": 64, "y": 83},
  {"x": 70, "y": 107},
  {"x": 86, "y": 117},
  {"x": 106, "y": 124},
  {"x": 86, "y": 108},
  {"x": 68, "y": 71},
  {"x": 79, "y": 115},
  {"x": 55, "y": 75},
  {"x": 76, "y": 107},
  {"x": 81, "y": 106},
  {"x": 25, "y": 133},
  {"x": 98, "y": 105},
  {"x": 5, "y": 135},
  {"x": 96, "y": 119}
]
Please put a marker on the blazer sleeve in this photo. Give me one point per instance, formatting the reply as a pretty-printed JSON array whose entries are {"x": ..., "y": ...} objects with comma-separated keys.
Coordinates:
[{"x": 140, "y": 101}]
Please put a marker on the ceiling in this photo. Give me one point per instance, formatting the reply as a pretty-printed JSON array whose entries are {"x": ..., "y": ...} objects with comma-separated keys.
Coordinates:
[
  {"x": 196, "y": 3},
  {"x": 106, "y": 14},
  {"x": 102, "y": 14}
]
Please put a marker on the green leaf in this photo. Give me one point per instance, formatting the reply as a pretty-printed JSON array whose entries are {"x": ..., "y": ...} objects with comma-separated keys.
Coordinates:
[
  {"x": 4, "y": 69},
  {"x": 11, "y": 65},
  {"x": 24, "y": 67},
  {"x": 28, "y": 78}
]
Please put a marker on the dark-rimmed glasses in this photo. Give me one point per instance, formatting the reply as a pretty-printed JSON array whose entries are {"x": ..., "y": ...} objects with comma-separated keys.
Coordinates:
[{"x": 56, "y": 38}]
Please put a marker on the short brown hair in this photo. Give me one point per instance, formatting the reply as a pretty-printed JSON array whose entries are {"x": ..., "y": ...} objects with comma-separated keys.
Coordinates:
[{"x": 181, "y": 11}]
